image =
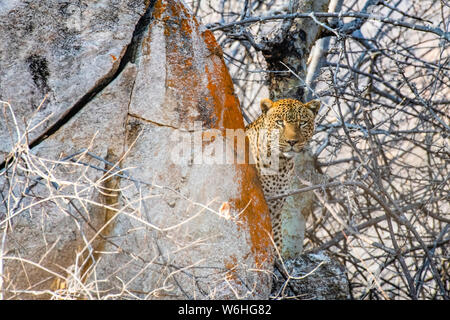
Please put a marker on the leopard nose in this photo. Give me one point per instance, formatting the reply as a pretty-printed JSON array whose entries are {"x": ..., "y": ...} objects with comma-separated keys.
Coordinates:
[{"x": 292, "y": 142}]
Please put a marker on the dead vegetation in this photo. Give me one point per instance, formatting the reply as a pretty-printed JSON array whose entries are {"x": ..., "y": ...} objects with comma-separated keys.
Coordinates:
[
  {"x": 382, "y": 73},
  {"x": 381, "y": 142}
]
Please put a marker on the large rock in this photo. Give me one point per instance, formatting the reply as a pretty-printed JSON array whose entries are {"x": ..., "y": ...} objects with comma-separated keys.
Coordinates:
[
  {"x": 62, "y": 50},
  {"x": 166, "y": 226},
  {"x": 52, "y": 219}
]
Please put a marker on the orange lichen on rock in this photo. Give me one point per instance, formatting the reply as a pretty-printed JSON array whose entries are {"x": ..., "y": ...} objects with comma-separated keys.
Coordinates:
[
  {"x": 227, "y": 111},
  {"x": 159, "y": 8},
  {"x": 212, "y": 44},
  {"x": 203, "y": 90}
]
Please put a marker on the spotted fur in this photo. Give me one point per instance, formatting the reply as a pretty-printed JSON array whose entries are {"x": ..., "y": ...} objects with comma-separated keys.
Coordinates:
[{"x": 293, "y": 122}]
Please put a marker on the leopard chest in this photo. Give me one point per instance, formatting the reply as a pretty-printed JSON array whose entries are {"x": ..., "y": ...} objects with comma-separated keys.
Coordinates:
[{"x": 276, "y": 184}]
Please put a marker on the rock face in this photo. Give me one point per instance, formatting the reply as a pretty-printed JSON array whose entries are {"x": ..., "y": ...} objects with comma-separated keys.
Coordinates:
[
  {"x": 115, "y": 202},
  {"x": 60, "y": 50},
  {"x": 49, "y": 228},
  {"x": 299, "y": 207},
  {"x": 313, "y": 276}
]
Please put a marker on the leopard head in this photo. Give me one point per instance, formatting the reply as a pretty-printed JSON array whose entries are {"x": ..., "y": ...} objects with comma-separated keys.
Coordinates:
[{"x": 292, "y": 121}]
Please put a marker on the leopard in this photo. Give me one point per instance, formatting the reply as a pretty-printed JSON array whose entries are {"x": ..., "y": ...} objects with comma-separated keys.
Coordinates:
[{"x": 281, "y": 131}]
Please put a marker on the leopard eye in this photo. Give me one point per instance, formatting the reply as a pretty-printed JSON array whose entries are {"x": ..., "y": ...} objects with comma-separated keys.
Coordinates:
[
  {"x": 280, "y": 122},
  {"x": 303, "y": 124}
]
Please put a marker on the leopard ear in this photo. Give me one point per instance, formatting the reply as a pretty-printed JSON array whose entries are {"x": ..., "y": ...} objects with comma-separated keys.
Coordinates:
[
  {"x": 266, "y": 104},
  {"x": 314, "y": 106}
]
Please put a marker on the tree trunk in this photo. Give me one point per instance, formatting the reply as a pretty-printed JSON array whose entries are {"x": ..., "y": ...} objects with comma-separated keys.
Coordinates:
[
  {"x": 288, "y": 50},
  {"x": 318, "y": 56}
]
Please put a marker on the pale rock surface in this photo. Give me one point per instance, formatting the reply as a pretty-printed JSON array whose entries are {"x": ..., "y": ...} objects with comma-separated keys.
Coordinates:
[
  {"x": 61, "y": 50},
  {"x": 158, "y": 228},
  {"x": 185, "y": 250}
]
